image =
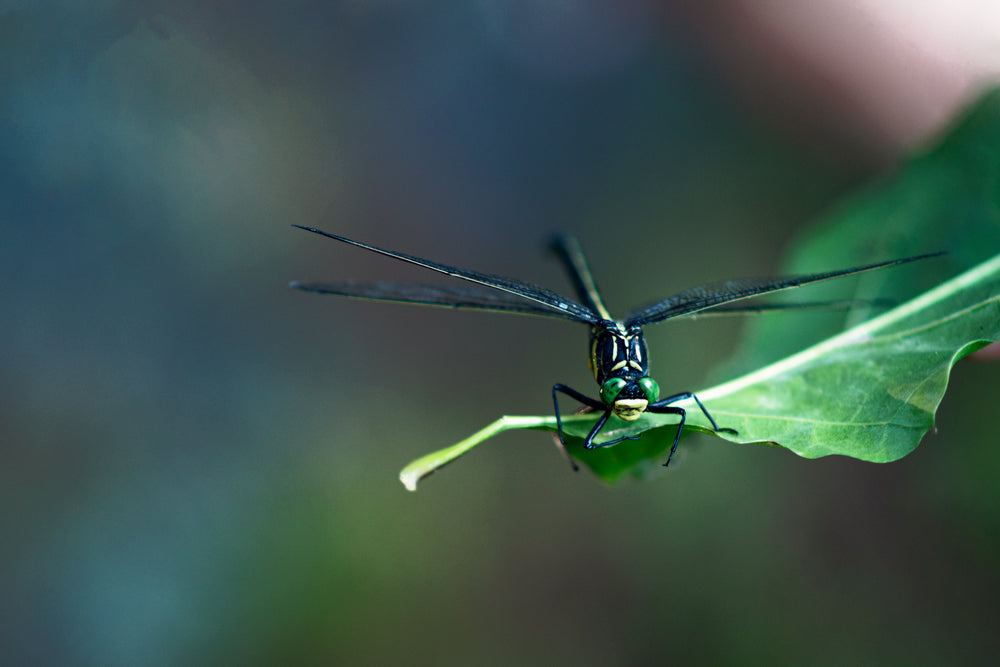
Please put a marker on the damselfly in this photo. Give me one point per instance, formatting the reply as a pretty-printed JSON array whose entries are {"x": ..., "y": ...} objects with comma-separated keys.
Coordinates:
[{"x": 618, "y": 355}]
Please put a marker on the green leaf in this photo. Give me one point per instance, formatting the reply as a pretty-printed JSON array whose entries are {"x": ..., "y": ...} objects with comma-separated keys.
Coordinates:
[
  {"x": 870, "y": 392},
  {"x": 946, "y": 198}
]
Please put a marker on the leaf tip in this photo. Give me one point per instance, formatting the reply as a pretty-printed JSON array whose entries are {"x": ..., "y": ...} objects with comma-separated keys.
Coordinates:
[{"x": 409, "y": 477}]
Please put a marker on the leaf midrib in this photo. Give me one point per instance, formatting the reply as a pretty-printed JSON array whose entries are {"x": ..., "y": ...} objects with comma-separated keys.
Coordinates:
[{"x": 865, "y": 332}]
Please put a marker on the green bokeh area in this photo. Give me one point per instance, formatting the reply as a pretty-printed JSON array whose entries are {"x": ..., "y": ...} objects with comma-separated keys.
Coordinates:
[{"x": 199, "y": 464}]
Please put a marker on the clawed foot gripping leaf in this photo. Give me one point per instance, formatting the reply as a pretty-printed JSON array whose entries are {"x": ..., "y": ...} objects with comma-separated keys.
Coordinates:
[{"x": 871, "y": 391}]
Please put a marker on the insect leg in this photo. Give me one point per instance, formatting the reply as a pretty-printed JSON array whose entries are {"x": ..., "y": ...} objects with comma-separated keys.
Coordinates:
[
  {"x": 655, "y": 407},
  {"x": 663, "y": 407},
  {"x": 670, "y": 410},
  {"x": 589, "y": 442},
  {"x": 586, "y": 400}
]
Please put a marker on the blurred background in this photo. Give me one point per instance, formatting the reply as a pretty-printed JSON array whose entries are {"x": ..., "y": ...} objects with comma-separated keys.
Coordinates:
[{"x": 200, "y": 465}]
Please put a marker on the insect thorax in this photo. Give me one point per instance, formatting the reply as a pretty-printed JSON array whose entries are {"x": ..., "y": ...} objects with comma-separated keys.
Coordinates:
[{"x": 617, "y": 352}]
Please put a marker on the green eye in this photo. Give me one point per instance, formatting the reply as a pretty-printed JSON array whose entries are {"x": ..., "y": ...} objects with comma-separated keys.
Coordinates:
[
  {"x": 611, "y": 389},
  {"x": 650, "y": 389}
]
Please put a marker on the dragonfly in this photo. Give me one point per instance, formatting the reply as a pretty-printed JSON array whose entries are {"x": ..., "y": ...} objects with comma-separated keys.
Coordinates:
[{"x": 618, "y": 357}]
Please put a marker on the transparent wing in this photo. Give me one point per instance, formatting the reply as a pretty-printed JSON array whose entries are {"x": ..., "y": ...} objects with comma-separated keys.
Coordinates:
[
  {"x": 713, "y": 295},
  {"x": 555, "y": 303},
  {"x": 462, "y": 297},
  {"x": 843, "y": 304}
]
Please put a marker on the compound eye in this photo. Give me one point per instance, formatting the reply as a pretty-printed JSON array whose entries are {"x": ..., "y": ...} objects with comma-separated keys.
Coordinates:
[
  {"x": 650, "y": 389},
  {"x": 611, "y": 389}
]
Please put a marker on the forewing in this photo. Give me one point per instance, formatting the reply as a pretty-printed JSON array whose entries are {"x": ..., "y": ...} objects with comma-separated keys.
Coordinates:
[
  {"x": 549, "y": 300},
  {"x": 712, "y": 295},
  {"x": 462, "y": 297},
  {"x": 750, "y": 309}
]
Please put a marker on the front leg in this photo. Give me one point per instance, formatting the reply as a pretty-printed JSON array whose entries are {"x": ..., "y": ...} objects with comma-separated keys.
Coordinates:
[
  {"x": 590, "y": 403},
  {"x": 589, "y": 442},
  {"x": 670, "y": 410},
  {"x": 663, "y": 407},
  {"x": 656, "y": 408}
]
